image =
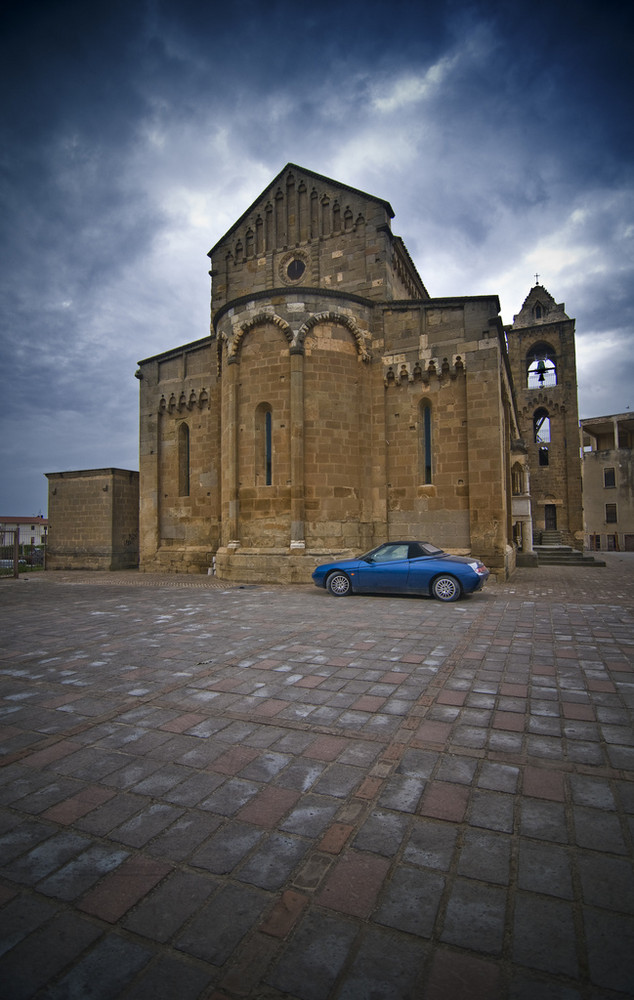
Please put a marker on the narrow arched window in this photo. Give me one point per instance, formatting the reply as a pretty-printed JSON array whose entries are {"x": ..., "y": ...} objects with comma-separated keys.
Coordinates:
[
  {"x": 264, "y": 445},
  {"x": 426, "y": 443},
  {"x": 541, "y": 426},
  {"x": 183, "y": 460},
  {"x": 268, "y": 458}
]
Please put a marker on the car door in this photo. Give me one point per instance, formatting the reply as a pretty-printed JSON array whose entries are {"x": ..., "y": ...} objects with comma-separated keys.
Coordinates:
[
  {"x": 387, "y": 573},
  {"x": 421, "y": 570}
]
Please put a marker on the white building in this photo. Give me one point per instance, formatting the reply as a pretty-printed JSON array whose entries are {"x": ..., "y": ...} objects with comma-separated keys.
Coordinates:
[{"x": 608, "y": 482}]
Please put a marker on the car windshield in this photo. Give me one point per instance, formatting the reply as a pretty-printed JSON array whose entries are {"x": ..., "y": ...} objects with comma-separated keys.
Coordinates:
[{"x": 401, "y": 550}]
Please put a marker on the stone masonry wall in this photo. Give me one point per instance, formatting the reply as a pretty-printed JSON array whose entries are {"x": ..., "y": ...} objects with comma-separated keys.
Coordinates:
[
  {"x": 179, "y": 402},
  {"x": 93, "y": 519}
]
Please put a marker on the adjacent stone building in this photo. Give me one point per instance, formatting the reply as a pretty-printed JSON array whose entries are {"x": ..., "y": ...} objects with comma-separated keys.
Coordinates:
[
  {"x": 93, "y": 519},
  {"x": 334, "y": 405},
  {"x": 608, "y": 482}
]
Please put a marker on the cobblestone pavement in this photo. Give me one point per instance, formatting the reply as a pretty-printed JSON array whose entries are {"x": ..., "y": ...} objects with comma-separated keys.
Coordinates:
[{"x": 240, "y": 793}]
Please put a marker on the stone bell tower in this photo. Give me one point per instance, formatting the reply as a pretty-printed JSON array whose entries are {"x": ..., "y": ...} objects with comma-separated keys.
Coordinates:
[{"x": 541, "y": 346}]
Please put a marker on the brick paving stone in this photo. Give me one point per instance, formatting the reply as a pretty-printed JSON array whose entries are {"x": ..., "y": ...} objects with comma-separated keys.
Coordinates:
[
  {"x": 463, "y": 977},
  {"x": 310, "y": 965},
  {"x": 248, "y": 968},
  {"x": 533, "y": 825},
  {"x": 36, "y": 802},
  {"x": 384, "y": 967},
  {"x": 523, "y": 986},
  {"x": 544, "y": 820},
  {"x": 21, "y": 837},
  {"x": 433, "y": 732},
  {"x": 312, "y": 816},
  {"x": 410, "y": 901},
  {"x": 194, "y": 789},
  {"x": 31, "y": 868},
  {"x": 382, "y": 832},
  {"x": 607, "y": 882},
  {"x": 23, "y": 915},
  {"x": 146, "y": 824},
  {"x": 56, "y": 751},
  {"x": 78, "y": 805},
  {"x": 77, "y": 876},
  {"x": 442, "y": 800},
  {"x": 301, "y": 774},
  {"x": 161, "y": 914},
  {"x": 475, "y": 917},
  {"x": 403, "y": 793},
  {"x": 546, "y": 869},
  {"x": 419, "y": 763},
  {"x": 492, "y": 810},
  {"x": 354, "y": 883},
  {"x": 598, "y": 829},
  {"x": 335, "y": 838},
  {"x": 182, "y": 838},
  {"x": 485, "y": 856},
  {"x": 167, "y": 978},
  {"x": 55, "y": 944},
  {"x": 543, "y": 784},
  {"x": 123, "y": 888},
  {"x": 110, "y": 815},
  {"x": 431, "y": 844},
  {"x": 610, "y": 940},
  {"x": 221, "y": 925},
  {"x": 544, "y": 935},
  {"x": 131, "y": 770},
  {"x": 273, "y": 861},
  {"x": 226, "y": 848},
  {"x": 498, "y": 777},
  {"x": 458, "y": 769},
  {"x": 112, "y": 963},
  {"x": 269, "y": 806},
  {"x": 339, "y": 780},
  {"x": 229, "y": 797}
]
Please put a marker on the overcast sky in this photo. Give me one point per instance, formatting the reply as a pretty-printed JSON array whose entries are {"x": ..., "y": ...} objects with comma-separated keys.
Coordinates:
[{"x": 133, "y": 134}]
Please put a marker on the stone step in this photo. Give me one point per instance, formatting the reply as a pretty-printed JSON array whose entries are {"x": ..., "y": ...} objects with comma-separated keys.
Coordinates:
[
  {"x": 564, "y": 555},
  {"x": 551, "y": 537}
]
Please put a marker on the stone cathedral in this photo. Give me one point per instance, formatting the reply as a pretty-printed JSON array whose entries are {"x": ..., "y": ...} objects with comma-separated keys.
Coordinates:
[{"x": 336, "y": 404}]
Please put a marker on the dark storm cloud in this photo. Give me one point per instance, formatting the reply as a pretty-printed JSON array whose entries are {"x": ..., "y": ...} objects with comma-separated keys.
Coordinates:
[{"x": 134, "y": 134}]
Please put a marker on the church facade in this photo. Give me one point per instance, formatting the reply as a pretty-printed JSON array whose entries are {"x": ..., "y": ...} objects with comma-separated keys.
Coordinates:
[{"x": 335, "y": 404}]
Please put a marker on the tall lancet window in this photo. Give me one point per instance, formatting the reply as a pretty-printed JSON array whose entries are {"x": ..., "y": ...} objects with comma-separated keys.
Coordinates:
[
  {"x": 183, "y": 460},
  {"x": 264, "y": 445},
  {"x": 426, "y": 443}
]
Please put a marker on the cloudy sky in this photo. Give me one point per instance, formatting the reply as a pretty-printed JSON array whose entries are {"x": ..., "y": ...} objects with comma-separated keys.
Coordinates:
[{"x": 133, "y": 134}]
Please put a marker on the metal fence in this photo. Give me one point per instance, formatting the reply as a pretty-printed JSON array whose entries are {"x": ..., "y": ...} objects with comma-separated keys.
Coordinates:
[{"x": 16, "y": 558}]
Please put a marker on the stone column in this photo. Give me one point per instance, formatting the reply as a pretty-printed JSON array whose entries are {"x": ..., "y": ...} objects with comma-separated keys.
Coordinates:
[
  {"x": 297, "y": 449},
  {"x": 230, "y": 528}
]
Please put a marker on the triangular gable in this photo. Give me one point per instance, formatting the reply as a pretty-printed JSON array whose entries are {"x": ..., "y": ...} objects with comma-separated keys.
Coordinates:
[{"x": 300, "y": 172}]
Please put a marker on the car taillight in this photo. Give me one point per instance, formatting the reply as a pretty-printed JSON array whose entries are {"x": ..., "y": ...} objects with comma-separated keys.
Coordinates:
[{"x": 479, "y": 568}]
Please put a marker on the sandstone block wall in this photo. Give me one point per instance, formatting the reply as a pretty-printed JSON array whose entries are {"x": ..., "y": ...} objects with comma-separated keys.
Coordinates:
[
  {"x": 93, "y": 519},
  {"x": 179, "y": 433}
]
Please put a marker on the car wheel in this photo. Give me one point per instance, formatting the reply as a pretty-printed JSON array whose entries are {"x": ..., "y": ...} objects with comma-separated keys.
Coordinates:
[
  {"x": 446, "y": 588},
  {"x": 338, "y": 584}
]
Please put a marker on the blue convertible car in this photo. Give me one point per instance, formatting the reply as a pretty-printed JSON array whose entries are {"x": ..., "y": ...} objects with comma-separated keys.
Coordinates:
[{"x": 403, "y": 568}]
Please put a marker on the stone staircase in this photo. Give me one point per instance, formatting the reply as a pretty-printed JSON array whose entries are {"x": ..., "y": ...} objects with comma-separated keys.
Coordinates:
[{"x": 552, "y": 553}]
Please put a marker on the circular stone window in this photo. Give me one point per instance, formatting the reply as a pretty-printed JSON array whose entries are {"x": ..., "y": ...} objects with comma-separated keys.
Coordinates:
[
  {"x": 292, "y": 267},
  {"x": 295, "y": 269}
]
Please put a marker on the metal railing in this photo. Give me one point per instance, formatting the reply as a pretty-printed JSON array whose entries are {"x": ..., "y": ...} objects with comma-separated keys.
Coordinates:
[{"x": 16, "y": 558}]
